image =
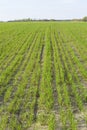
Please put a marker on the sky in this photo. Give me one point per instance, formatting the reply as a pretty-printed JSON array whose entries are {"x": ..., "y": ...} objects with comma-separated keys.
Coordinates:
[{"x": 42, "y": 9}]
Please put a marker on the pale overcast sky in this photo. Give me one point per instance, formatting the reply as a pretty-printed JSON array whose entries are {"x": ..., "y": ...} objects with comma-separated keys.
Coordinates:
[{"x": 39, "y": 9}]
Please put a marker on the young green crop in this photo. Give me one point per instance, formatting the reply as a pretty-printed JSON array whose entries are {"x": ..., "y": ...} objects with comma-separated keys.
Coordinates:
[{"x": 43, "y": 75}]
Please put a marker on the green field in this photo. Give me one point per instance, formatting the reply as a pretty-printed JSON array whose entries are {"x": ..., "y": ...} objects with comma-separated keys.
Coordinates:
[{"x": 43, "y": 76}]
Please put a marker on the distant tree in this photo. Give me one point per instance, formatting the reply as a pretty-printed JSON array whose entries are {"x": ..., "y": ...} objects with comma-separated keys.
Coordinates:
[{"x": 85, "y": 19}]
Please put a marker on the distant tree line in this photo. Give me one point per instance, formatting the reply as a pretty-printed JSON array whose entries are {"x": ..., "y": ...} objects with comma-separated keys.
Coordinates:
[
  {"x": 85, "y": 19},
  {"x": 29, "y": 19},
  {"x": 21, "y": 20},
  {"x": 60, "y": 20}
]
